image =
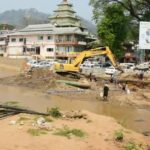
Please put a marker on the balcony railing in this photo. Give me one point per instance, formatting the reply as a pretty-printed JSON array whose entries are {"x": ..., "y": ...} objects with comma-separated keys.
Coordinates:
[
  {"x": 16, "y": 44},
  {"x": 66, "y": 54},
  {"x": 65, "y": 42}
]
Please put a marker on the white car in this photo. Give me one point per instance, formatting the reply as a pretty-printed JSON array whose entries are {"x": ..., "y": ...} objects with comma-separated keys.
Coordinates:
[
  {"x": 42, "y": 64},
  {"x": 32, "y": 62},
  {"x": 52, "y": 61},
  {"x": 144, "y": 66},
  {"x": 89, "y": 65},
  {"x": 127, "y": 65},
  {"x": 111, "y": 70}
]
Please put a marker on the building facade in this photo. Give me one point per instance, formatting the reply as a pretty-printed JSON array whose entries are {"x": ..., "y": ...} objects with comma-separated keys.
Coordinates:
[{"x": 61, "y": 38}]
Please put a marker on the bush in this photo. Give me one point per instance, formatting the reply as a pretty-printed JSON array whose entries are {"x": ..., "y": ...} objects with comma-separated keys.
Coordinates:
[
  {"x": 67, "y": 132},
  {"x": 130, "y": 146},
  {"x": 119, "y": 136},
  {"x": 54, "y": 112}
]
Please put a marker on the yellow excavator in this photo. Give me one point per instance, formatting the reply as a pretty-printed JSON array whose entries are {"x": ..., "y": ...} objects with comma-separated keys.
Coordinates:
[{"x": 74, "y": 67}]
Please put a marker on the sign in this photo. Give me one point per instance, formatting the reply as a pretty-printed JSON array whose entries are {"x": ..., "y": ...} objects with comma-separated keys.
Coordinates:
[{"x": 144, "y": 35}]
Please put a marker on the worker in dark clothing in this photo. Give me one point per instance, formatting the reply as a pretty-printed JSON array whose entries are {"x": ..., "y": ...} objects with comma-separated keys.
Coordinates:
[
  {"x": 105, "y": 91},
  {"x": 141, "y": 76}
]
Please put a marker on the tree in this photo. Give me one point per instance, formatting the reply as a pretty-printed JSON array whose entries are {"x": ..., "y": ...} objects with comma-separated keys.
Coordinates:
[
  {"x": 112, "y": 29},
  {"x": 138, "y": 9},
  {"x": 6, "y": 27}
]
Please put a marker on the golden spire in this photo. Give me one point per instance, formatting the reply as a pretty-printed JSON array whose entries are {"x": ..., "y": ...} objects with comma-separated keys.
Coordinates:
[{"x": 65, "y": 1}]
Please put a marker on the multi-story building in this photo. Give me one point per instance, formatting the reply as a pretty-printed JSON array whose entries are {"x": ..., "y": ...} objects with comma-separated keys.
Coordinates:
[
  {"x": 4, "y": 39},
  {"x": 63, "y": 36}
]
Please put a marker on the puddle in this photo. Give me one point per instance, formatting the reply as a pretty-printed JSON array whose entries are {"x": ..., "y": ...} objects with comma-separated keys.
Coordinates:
[{"x": 136, "y": 119}]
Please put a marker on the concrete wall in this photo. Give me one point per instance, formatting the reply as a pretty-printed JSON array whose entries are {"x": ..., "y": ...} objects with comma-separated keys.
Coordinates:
[{"x": 33, "y": 41}]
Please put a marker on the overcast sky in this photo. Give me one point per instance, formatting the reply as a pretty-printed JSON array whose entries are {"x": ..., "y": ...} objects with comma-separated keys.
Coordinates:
[{"x": 80, "y": 6}]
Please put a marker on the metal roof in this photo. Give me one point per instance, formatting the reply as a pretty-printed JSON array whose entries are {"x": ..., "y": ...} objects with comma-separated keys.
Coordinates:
[{"x": 47, "y": 29}]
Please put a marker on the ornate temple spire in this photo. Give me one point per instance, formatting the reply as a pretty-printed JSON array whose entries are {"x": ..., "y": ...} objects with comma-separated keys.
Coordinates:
[
  {"x": 65, "y": 16},
  {"x": 65, "y": 1}
]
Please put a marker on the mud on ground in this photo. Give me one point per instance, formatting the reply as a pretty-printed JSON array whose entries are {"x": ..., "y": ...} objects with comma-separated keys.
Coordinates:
[{"x": 44, "y": 80}]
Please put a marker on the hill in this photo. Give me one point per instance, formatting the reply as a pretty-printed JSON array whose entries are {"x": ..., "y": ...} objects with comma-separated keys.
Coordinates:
[{"x": 23, "y": 17}]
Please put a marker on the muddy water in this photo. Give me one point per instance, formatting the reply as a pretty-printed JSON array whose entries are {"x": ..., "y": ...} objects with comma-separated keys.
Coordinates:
[
  {"x": 6, "y": 73},
  {"x": 136, "y": 119}
]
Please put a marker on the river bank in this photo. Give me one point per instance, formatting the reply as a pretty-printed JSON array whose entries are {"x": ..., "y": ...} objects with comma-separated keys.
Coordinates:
[
  {"x": 45, "y": 80},
  {"x": 99, "y": 134},
  {"x": 31, "y": 92}
]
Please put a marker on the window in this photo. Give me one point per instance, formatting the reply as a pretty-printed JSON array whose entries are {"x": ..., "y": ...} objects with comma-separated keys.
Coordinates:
[
  {"x": 49, "y": 49},
  {"x": 49, "y": 37},
  {"x": 40, "y": 38},
  {"x": 13, "y": 40},
  {"x": 68, "y": 38},
  {"x": 21, "y": 40},
  {"x": 1, "y": 39}
]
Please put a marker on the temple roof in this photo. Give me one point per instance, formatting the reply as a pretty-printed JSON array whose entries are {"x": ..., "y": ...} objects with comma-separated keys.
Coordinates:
[
  {"x": 65, "y": 16},
  {"x": 48, "y": 29}
]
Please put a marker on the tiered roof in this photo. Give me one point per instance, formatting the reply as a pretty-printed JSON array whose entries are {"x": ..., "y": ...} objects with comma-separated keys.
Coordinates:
[{"x": 64, "y": 16}]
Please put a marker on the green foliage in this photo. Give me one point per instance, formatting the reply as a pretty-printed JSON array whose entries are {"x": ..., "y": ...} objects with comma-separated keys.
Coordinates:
[
  {"x": 54, "y": 112},
  {"x": 134, "y": 10},
  {"x": 113, "y": 28},
  {"x": 6, "y": 27},
  {"x": 67, "y": 132},
  {"x": 130, "y": 146},
  {"x": 137, "y": 9},
  {"x": 37, "y": 132},
  {"x": 119, "y": 136}
]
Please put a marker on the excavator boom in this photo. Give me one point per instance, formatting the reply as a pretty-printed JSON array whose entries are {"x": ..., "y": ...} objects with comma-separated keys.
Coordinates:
[{"x": 75, "y": 66}]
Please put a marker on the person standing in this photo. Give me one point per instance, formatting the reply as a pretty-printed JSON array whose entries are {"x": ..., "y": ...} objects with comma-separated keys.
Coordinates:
[
  {"x": 105, "y": 91},
  {"x": 141, "y": 76}
]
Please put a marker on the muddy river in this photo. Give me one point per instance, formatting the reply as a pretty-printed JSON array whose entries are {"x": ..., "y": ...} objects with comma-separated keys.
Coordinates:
[{"x": 136, "y": 119}]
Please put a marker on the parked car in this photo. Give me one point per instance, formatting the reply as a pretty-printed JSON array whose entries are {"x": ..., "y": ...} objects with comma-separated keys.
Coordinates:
[
  {"x": 143, "y": 66},
  {"x": 106, "y": 64},
  {"x": 32, "y": 62},
  {"x": 42, "y": 64},
  {"x": 52, "y": 61},
  {"x": 87, "y": 65},
  {"x": 111, "y": 70},
  {"x": 127, "y": 65}
]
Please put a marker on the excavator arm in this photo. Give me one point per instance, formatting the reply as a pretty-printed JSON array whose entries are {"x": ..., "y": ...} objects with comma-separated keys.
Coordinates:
[{"x": 75, "y": 66}]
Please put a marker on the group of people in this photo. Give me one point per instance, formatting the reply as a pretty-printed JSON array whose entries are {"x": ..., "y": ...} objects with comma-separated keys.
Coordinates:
[
  {"x": 113, "y": 79},
  {"x": 123, "y": 86}
]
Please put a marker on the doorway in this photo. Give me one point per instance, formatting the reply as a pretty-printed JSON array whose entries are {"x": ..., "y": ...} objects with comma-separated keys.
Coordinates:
[{"x": 37, "y": 49}]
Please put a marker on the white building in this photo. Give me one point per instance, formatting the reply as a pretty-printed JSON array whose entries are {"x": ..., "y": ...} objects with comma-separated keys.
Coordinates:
[
  {"x": 46, "y": 40},
  {"x": 63, "y": 36}
]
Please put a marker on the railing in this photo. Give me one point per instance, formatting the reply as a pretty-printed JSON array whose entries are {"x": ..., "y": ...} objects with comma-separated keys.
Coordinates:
[
  {"x": 16, "y": 44},
  {"x": 65, "y": 42},
  {"x": 66, "y": 54}
]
